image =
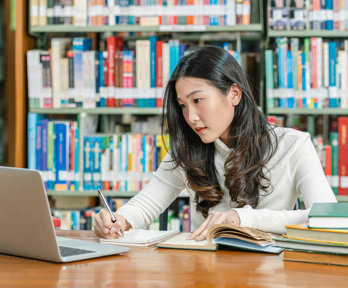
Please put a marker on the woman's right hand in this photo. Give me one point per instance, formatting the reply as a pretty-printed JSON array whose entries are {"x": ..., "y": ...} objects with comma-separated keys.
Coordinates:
[{"x": 104, "y": 228}]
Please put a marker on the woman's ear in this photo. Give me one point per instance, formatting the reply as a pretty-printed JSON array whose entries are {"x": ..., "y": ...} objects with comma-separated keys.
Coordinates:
[{"x": 236, "y": 94}]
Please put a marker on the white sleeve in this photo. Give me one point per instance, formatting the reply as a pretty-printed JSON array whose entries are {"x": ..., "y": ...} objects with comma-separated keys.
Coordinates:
[
  {"x": 311, "y": 183},
  {"x": 141, "y": 210}
]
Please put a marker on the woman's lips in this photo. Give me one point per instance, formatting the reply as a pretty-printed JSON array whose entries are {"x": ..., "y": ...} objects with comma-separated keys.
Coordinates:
[{"x": 200, "y": 129}]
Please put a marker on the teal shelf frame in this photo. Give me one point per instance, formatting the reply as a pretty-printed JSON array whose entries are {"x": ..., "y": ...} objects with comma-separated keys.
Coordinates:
[
  {"x": 138, "y": 28},
  {"x": 308, "y": 33},
  {"x": 109, "y": 111},
  {"x": 120, "y": 194},
  {"x": 301, "y": 111},
  {"x": 94, "y": 193}
]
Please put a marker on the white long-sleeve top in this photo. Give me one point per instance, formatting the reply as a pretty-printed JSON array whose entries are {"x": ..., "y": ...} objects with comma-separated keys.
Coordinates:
[{"x": 294, "y": 170}]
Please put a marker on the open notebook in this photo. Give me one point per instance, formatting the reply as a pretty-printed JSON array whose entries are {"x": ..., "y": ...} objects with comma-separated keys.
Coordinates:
[{"x": 140, "y": 237}]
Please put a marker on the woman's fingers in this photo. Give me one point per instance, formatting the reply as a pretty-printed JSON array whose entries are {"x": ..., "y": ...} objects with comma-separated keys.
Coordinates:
[{"x": 201, "y": 228}]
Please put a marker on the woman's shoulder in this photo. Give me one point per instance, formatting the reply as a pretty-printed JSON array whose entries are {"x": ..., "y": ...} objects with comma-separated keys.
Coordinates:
[
  {"x": 290, "y": 143},
  {"x": 289, "y": 136}
]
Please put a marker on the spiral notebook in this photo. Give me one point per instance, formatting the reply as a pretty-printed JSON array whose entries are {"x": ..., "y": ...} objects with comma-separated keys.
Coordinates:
[{"x": 140, "y": 237}]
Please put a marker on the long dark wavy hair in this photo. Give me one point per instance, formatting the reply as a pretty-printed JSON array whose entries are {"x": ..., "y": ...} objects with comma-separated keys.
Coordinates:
[{"x": 253, "y": 140}]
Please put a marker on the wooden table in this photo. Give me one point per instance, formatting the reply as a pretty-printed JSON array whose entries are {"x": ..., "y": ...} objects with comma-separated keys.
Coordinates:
[{"x": 153, "y": 267}]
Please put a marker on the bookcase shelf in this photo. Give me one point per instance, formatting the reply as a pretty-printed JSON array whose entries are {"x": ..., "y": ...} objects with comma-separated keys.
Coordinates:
[
  {"x": 308, "y": 33},
  {"x": 120, "y": 194},
  {"x": 138, "y": 28},
  {"x": 302, "y": 111},
  {"x": 109, "y": 111},
  {"x": 91, "y": 193}
]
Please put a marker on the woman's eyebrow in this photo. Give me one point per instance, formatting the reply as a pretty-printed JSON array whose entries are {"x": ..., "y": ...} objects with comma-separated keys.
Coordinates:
[{"x": 190, "y": 94}]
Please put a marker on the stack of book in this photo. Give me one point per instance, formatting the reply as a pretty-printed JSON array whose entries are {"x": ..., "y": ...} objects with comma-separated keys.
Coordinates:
[{"x": 324, "y": 239}]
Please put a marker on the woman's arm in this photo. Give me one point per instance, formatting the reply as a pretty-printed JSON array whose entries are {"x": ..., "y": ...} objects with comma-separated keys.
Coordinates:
[
  {"x": 307, "y": 173},
  {"x": 158, "y": 194}
]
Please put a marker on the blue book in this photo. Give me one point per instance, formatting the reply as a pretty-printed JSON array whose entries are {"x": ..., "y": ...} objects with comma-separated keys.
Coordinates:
[
  {"x": 333, "y": 100},
  {"x": 77, "y": 159},
  {"x": 102, "y": 101},
  {"x": 61, "y": 151},
  {"x": 269, "y": 78},
  {"x": 304, "y": 84},
  {"x": 153, "y": 40},
  {"x": 33, "y": 118},
  {"x": 97, "y": 153},
  {"x": 174, "y": 55},
  {"x": 290, "y": 80},
  {"x": 44, "y": 150},
  {"x": 38, "y": 149},
  {"x": 329, "y": 14},
  {"x": 87, "y": 163},
  {"x": 50, "y": 156}
]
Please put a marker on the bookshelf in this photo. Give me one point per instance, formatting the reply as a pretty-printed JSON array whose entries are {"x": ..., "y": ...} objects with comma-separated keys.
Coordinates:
[
  {"x": 237, "y": 35},
  {"x": 103, "y": 111},
  {"x": 306, "y": 61}
]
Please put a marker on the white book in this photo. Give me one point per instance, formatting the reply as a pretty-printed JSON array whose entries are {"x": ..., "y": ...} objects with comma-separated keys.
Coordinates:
[
  {"x": 59, "y": 48},
  {"x": 141, "y": 237},
  {"x": 34, "y": 74},
  {"x": 165, "y": 61}
]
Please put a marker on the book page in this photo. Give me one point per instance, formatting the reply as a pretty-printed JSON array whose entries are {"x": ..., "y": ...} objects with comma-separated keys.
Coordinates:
[{"x": 180, "y": 242}]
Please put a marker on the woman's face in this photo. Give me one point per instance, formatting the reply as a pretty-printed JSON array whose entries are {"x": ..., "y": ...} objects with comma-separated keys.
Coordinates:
[{"x": 206, "y": 110}]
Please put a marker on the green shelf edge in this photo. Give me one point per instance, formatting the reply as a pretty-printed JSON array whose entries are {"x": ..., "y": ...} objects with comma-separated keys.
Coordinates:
[
  {"x": 126, "y": 110},
  {"x": 323, "y": 111},
  {"x": 308, "y": 33},
  {"x": 91, "y": 193},
  {"x": 138, "y": 28}
]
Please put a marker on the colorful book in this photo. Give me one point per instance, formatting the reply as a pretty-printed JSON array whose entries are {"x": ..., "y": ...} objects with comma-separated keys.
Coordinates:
[
  {"x": 302, "y": 232},
  {"x": 305, "y": 245}
]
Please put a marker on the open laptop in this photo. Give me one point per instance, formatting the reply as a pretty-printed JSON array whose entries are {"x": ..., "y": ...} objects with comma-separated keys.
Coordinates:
[{"x": 26, "y": 227}]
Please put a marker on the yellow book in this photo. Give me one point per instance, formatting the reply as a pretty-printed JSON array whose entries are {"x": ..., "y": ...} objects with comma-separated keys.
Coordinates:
[{"x": 302, "y": 232}]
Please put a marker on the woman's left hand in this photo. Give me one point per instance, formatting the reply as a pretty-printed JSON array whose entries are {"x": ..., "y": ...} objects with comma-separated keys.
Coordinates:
[{"x": 228, "y": 217}]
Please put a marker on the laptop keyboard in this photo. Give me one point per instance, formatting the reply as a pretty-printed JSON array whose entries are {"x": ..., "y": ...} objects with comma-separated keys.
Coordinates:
[{"x": 68, "y": 251}]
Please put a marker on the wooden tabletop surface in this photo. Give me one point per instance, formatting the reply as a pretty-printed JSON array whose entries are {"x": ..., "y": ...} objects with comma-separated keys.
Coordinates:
[{"x": 154, "y": 267}]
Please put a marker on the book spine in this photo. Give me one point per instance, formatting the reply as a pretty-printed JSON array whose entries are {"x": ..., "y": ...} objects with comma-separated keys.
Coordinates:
[{"x": 343, "y": 152}]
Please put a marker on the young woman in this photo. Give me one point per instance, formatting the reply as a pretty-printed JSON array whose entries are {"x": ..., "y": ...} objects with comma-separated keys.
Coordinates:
[{"x": 236, "y": 167}]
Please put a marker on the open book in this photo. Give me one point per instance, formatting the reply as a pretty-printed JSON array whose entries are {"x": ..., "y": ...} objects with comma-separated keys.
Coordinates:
[
  {"x": 140, "y": 237},
  {"x": 226, "y": 234}
]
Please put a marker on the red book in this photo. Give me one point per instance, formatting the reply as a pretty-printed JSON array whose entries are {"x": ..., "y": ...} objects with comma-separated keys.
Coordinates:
[
  {"x": 56, "y": 222},
  {"x": 343, "y": 155},
  {"x": 111, "y": 48},
  {"x": 159, "y": 63},
  {"x": 189, "y": 18}
]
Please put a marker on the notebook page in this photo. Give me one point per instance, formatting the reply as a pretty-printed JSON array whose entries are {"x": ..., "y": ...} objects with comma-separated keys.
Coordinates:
[{"x": 141, "y": 237}]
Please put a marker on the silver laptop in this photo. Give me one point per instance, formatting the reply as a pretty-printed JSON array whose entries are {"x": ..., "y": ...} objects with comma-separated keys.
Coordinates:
[{"x": 26, "y": 227}]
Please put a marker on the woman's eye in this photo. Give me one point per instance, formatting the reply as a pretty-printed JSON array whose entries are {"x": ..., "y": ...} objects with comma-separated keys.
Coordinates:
[{"x": 197, "y": 100}]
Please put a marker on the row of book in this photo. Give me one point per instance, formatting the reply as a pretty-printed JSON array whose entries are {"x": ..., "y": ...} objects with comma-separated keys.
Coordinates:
[
  {"x": 308, "y": 14},
  {"x": 323, "y": 240},
  {"x": 121, "y": 162},
  {"x": 54, "y": 149},
  {"x": 307, "y": 74},
  {"x": 109, "y": 161},
  {"x": 71, "y": 74},
  {"x": 332, "y": 152},
  {"x": 145, "y": 13}
]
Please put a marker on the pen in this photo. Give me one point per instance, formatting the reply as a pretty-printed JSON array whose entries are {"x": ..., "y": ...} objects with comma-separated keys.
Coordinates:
[{"x": 107, "y": 207}]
